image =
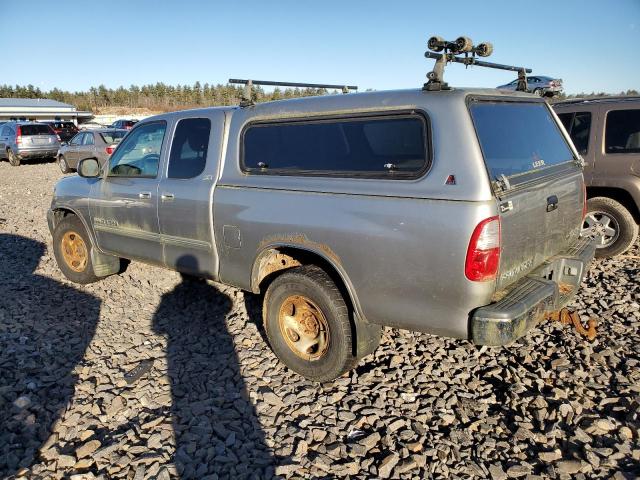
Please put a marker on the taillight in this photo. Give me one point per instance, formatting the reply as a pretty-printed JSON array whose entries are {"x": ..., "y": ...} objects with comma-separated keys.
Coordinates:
[
  {"x": 483, "y": 254},
  {"x": 109, "y": 150},
  {"x": 18, "y": 135}
]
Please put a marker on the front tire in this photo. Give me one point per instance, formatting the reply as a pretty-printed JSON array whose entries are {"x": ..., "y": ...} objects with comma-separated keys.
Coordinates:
[
  {"x": 72, "y": 249},
  {"x": 611, "y": 224},
  {"x": 62, "y": 163},
  {"x": 308, "y": 324},
  {"x": 14, "y": 161}
]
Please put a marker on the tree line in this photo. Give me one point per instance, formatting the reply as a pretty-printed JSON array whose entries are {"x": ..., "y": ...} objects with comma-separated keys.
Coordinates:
[
  {"x": 158, "y": 97},
  {"x": 163, "y": 97}
]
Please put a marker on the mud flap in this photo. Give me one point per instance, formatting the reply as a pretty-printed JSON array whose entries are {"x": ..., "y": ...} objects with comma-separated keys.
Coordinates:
[
  {"x": 104, "y": 265},
  {"x": 367, "y": 337}
]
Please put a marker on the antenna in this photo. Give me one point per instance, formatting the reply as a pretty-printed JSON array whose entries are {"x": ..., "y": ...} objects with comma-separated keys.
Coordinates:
[
  {"x": 248, "y": 87},
  {"x": 464, "y": 45}
]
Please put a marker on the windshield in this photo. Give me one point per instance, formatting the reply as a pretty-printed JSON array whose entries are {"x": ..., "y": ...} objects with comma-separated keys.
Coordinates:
[
  {"x": 517, "y": 138},
  {"x": 112, "y": 137}
]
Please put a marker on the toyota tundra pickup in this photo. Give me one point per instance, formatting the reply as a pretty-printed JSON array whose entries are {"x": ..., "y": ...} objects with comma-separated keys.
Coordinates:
[{"x": 454, "y": 212}]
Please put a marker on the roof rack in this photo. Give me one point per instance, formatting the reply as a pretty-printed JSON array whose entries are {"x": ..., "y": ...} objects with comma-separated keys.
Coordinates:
[
  {"x": 612, "y": 98},
  {"x": 247, "y": 100},
  {"x": 464, "y": 45}
]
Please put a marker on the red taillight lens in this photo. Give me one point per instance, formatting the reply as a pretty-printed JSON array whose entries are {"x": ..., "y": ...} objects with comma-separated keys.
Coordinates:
[
  {"x": 18, "y": 135},
  {"x": 483, "y": 254},
  {"x": 110, "y": 150}
]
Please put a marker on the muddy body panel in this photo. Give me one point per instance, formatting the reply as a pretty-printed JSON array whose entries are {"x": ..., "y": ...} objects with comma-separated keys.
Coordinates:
[{"x": 397, "y": 239}]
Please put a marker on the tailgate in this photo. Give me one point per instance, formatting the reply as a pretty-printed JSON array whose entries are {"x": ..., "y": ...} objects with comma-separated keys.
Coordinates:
[
  {"x": 538, "y": 222},
  {"x": 537, "y": 180}
]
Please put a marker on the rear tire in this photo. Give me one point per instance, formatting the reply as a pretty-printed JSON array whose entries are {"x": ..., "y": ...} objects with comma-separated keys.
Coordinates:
[
  {"x": 72, "y": 249},
  {"x": 604, "y": 212},
  {"x": 539, "y": 92},
  {"x": 304, "y": 307},
  {"x": 13, "y": 158},
  {"x": 62, "y": 163}
]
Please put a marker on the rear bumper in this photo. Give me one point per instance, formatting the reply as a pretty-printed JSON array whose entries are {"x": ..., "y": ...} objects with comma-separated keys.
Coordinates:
[
  {"x": 24, "y": 153},
  {"x": 549, "y": 287}
]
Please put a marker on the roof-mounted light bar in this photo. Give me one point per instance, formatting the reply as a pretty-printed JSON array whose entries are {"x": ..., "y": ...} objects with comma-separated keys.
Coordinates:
[{"x": 464, "y": 45}]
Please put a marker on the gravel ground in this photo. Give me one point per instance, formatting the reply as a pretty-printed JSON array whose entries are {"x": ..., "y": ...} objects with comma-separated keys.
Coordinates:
[{"x": 217, "y": 404}]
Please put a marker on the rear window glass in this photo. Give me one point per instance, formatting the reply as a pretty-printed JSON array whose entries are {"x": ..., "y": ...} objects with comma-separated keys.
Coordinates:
[
  {"x": 28, "y": 130},
  {"x": 373, "y": 145},
  {"x": 112, "y": 137},
  {"x": 623, "y": 131},
  {"x": 517, "y": 138}
]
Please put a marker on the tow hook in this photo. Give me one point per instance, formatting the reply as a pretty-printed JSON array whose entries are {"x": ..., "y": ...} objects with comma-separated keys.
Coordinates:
[{"x": 566, "y": 317}]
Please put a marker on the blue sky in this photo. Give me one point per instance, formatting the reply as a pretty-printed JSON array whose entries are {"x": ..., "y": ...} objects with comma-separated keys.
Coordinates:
[{"x": 591, "y": 44}]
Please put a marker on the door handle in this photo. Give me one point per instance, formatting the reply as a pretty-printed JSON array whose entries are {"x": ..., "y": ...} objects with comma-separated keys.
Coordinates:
[
  {"x": 144, "y": 195},
  {"x": 167, "y": 197}
]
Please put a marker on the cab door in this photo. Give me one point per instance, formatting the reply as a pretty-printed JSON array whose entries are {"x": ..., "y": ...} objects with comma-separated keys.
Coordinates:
[
  {"x": 71, "y": 151},
  {"x": 185, "y": 195},
  {"x": 124, "y": 207},
  {"x": 621, "y": 145},
  {"x": 87, "y": 148}
]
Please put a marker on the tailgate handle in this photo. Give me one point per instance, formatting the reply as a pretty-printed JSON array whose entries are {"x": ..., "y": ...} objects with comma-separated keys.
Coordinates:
[{"x": 552, "y": 203}]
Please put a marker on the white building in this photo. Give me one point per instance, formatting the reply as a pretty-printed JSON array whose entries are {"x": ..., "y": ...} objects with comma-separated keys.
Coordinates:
[{"x": 40, "y": 110}]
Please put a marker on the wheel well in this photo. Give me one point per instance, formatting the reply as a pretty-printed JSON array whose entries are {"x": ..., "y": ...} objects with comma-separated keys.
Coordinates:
[
  {"x": 274, "y": 261},
  {"x": 619, "y": 195},
  {"x": 59, "y": 214}
]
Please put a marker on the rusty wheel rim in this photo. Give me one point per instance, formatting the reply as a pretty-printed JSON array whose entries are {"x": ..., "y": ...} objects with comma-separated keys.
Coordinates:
[
  {"x": 74, "y": 251},
  {"x": 304, "y": 327}
]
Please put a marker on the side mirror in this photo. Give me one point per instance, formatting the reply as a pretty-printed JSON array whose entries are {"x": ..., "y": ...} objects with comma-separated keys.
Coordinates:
[{"x": 89, "y": 168}]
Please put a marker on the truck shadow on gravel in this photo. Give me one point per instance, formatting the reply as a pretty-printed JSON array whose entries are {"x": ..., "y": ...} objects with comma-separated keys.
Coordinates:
[
  {"x": 215, "y": 424},
  {"x": 45, "y": 328}
]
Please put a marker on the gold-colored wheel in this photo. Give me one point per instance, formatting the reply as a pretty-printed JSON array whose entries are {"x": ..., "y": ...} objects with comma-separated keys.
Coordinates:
[
  {"x": 304, "y": 327},
  {"x": 74, "y": 251}
]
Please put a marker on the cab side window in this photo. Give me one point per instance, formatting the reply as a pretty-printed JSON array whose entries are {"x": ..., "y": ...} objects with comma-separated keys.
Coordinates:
[
  {"x": 77, "y": 140},
  {"x": 88, "y": 139},
  {"x": 189, "y": 148},
  {"x": 622, "y": 133},
  {"x": 139, "y": 153}
]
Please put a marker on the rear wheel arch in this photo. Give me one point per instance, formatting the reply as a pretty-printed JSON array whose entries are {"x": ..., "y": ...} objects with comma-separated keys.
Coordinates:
[{"x": 274, "y": 259}]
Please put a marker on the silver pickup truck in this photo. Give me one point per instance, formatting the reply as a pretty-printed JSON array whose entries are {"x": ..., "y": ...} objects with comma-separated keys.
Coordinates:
[{"x": 453, "y": 212}]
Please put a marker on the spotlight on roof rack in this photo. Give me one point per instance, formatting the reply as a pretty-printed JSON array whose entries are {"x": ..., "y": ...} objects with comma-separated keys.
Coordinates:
[{"x": 464, "y": 46}]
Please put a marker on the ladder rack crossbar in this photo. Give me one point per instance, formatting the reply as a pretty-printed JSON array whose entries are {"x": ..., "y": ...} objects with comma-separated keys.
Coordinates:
[{"x": 291, "y": 84}]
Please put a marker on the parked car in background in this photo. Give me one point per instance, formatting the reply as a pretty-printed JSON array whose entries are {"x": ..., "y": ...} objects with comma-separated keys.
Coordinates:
[
  {"x": 606, "y": 132},
  {"x": 126, "y": 124},
  {"x": 64, "y": 130},
  {"x": 26, "y": 140},
  {"x": 98, "y": 144},
  {"x": 347, "y": 212},
  {"x": 92, "y": 126},
  {"x": 540, "y": 85}
]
